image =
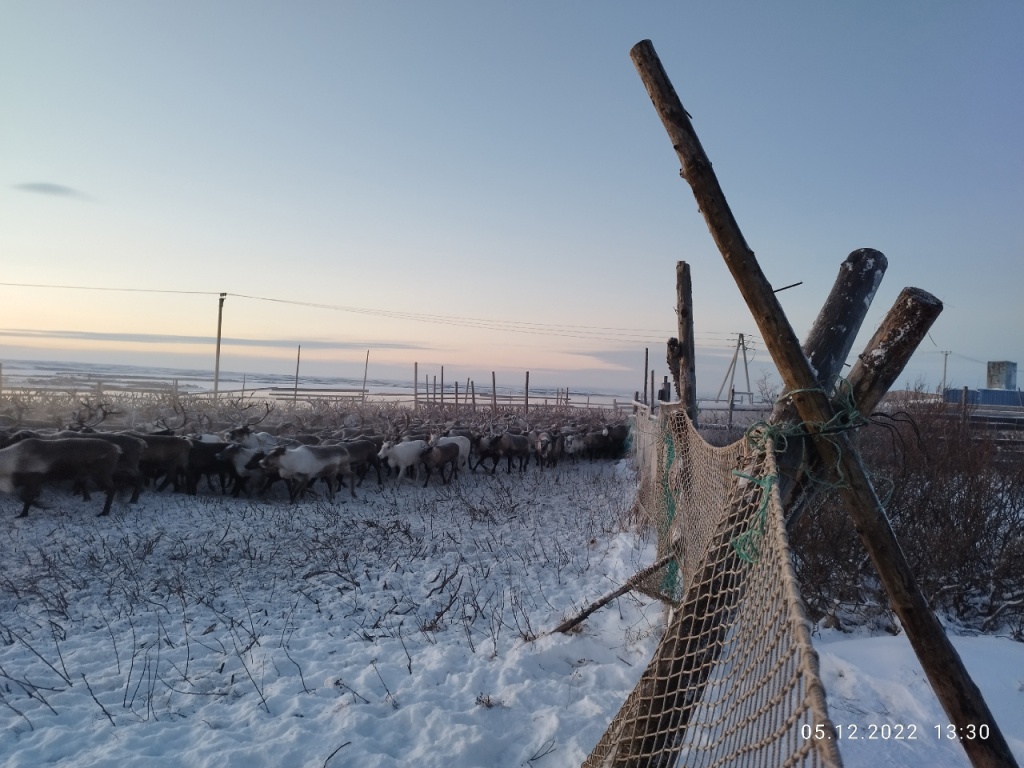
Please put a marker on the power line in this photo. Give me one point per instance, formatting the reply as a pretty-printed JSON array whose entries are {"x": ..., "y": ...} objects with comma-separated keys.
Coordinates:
[
  {"x": 599, "y": 333},
  {"x": 102, "y": 288}
]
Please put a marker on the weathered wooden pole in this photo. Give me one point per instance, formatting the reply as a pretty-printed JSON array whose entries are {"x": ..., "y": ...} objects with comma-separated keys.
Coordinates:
[
  {"x": 216, "y": 358},
  {"x": 472, "y": 390},
  {"x": 828, "y": 344},
  {"x": 442, "y": 389},
  {"x": 456, "y": 397},
  {"x": 891, "y": 347},
  {"x": 494, "y": 394},
  {"x": 415, "y": 386},
  {"x": 526, "y": 395},
  {"x": 681, "y": 354},
  {"x": 646, "y": 368},
  {"x": 366, "y": 369},
  {"x": 957, "y": 693}
]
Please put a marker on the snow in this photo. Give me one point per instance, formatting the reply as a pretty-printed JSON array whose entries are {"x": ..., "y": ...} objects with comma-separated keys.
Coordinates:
[{"x": 390, "y": 630}]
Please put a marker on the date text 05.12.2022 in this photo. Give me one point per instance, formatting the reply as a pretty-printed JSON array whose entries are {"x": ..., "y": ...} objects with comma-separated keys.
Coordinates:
[{"x": 865, "y": 732}]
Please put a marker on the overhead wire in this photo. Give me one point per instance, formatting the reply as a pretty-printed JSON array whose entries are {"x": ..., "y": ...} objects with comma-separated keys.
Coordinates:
[{"x": 562, "y": 330}]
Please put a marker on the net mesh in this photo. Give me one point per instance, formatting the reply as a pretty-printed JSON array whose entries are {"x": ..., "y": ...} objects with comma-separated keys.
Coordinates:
[{"x": 734, "y": 681}]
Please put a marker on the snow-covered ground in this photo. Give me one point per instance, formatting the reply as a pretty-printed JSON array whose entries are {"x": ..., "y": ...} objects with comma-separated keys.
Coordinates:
[{"x": 395, "y": 629}]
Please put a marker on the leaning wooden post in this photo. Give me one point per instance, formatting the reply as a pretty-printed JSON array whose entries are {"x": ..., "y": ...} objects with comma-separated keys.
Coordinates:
[
  {"x": 956, "y": 692},
  {"x": 828, "y": 344},
  {"x": 891, "y": 347},
  {"x": 472, "y": 390}
]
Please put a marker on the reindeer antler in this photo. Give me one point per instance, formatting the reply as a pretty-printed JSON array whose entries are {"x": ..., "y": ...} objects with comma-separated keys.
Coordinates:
[
  {"x": 268, "y": 406},
  {"x": 91, "y": 416}
]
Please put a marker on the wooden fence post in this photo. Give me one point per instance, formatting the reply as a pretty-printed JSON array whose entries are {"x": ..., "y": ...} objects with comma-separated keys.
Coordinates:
[
  {"x": 646, "y": 367},
  {"x": 526, "y": 395},
  {"x": 494, "y": 394},
  {"x": 681, "y": 356}
]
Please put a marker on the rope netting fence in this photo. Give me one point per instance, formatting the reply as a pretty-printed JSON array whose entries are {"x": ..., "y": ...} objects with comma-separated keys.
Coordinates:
[{"x": 734, "y": 681}]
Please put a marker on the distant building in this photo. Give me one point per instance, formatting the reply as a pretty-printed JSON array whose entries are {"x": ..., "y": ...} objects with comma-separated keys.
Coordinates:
[
  {"x": 1002, "y": 375},
  {"x": 1001, "y": 390}
]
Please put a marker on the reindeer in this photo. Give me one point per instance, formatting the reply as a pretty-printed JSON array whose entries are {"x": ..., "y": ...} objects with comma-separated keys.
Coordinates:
[
  {"x": 27, "y": 465},
  {"x": 305, "y": 464}
]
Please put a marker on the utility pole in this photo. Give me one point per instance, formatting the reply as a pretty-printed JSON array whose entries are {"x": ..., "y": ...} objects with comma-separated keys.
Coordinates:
[
  {"x": 216, "y": 364},
  {"x": 945, "y": 357}
]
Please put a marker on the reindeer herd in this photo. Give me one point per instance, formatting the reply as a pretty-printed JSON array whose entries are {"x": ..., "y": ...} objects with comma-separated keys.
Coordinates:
[{"x": 242, "y": 460}]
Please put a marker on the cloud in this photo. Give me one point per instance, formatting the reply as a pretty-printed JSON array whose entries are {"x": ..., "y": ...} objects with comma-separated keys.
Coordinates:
[
  {"x": 46, "y": 188},
  {"x": 155, "y": 339}
]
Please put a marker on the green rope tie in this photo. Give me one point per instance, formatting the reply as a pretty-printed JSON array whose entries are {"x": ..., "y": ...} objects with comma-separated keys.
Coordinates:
[
  {"x": 670, "y": 581},
  {"x": 747, "y": 543},
  {"x": 762, "y": 436}
]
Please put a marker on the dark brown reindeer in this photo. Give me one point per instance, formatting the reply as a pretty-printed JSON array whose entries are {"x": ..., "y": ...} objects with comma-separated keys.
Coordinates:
[{"x": 31, "y": 463}]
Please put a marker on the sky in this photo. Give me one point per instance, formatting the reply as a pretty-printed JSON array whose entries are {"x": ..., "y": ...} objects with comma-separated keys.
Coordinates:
[{"x": 486, "y": 186}]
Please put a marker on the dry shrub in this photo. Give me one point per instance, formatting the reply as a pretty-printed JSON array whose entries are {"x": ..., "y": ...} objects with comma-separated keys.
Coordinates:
[{"x": 955, "y": 498}]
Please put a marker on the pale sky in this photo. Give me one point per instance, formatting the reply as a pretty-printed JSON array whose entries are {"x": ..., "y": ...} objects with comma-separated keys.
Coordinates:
[{"x": 494, "y": 166}]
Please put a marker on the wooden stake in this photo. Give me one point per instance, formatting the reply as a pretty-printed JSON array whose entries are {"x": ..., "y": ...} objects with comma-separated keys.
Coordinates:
[
  {"x": 957, "y": 693},
  {"x": 366, "y": 369},
  {"x": 630, "y": 584},
  {"x": 646, "y": 368},
  {"x": 681, "y": 354}
]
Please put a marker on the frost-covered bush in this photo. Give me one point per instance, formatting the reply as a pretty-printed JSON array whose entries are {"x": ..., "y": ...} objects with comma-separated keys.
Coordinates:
[{"x": 954, "y": 494}]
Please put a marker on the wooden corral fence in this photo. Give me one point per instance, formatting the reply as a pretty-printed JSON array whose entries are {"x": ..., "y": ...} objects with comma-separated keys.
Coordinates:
[{"x": 454, "y": 401}]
